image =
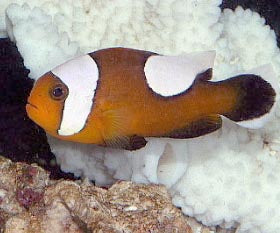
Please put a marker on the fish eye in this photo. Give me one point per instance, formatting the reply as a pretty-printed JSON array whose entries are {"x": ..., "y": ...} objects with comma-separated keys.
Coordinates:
[{"x": 59, "y": 92}]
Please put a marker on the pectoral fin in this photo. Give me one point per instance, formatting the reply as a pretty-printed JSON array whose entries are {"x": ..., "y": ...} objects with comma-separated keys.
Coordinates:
[
  {"x": 114, "y": 132},
  {"x": 197, "y": 128}
]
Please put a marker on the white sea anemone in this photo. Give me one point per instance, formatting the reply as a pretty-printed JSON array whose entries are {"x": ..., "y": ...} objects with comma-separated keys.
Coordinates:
[{"x": 228, "y": 178}]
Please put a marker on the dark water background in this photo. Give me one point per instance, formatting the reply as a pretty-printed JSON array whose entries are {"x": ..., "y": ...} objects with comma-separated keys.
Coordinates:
[{"x": 20, "y": 139}]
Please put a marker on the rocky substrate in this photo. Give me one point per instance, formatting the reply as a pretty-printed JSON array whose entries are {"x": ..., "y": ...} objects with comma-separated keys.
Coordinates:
[{"x": 31, "y": 202}]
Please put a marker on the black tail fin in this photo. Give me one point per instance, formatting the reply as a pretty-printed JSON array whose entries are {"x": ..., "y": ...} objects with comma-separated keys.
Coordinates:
[{"x": 256, "y": 98}]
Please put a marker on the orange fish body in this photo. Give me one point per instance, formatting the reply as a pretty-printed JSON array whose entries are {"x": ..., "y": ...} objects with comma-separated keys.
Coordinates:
[{"x": 137, "y": 94}]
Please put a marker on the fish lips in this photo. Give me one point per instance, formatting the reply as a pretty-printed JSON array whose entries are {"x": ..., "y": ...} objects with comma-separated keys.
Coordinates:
[{"x": 31, "y": 105}]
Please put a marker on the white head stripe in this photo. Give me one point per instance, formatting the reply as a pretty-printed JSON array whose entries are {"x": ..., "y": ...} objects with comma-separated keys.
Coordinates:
[
  {"x": 80, "y": 75},
  {"x": 171, "y": 75}
]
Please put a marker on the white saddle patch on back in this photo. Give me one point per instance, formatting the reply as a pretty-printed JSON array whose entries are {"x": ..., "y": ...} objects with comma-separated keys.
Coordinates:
[
  {"x": 80, "y": 75},
  {"x": 172, "y": 75}
]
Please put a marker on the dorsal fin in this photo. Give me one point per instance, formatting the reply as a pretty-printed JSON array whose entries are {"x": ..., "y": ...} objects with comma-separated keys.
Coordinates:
[
  {"x": 172, "y": 75},
  {"x": 204, "y": 76}
]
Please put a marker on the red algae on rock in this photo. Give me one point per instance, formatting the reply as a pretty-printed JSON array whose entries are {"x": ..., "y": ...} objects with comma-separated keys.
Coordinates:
[{"x": 26, "y": 197}]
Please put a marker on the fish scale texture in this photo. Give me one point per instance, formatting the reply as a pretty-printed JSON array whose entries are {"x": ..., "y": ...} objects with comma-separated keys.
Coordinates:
[{"x": 229, "y": 178}]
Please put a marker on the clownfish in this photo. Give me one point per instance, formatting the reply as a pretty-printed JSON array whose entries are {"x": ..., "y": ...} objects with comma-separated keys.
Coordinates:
[{"x": 118, "y": 96}]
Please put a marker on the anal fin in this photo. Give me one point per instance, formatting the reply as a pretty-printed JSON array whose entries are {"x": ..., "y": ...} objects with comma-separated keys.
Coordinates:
[
  {"x": 133, "y": 142},
  {"x": 205, "y": 125}
]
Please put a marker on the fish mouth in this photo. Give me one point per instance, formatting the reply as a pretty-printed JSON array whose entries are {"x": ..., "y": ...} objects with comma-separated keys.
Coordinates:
[{"x": 32, "y": 105}]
